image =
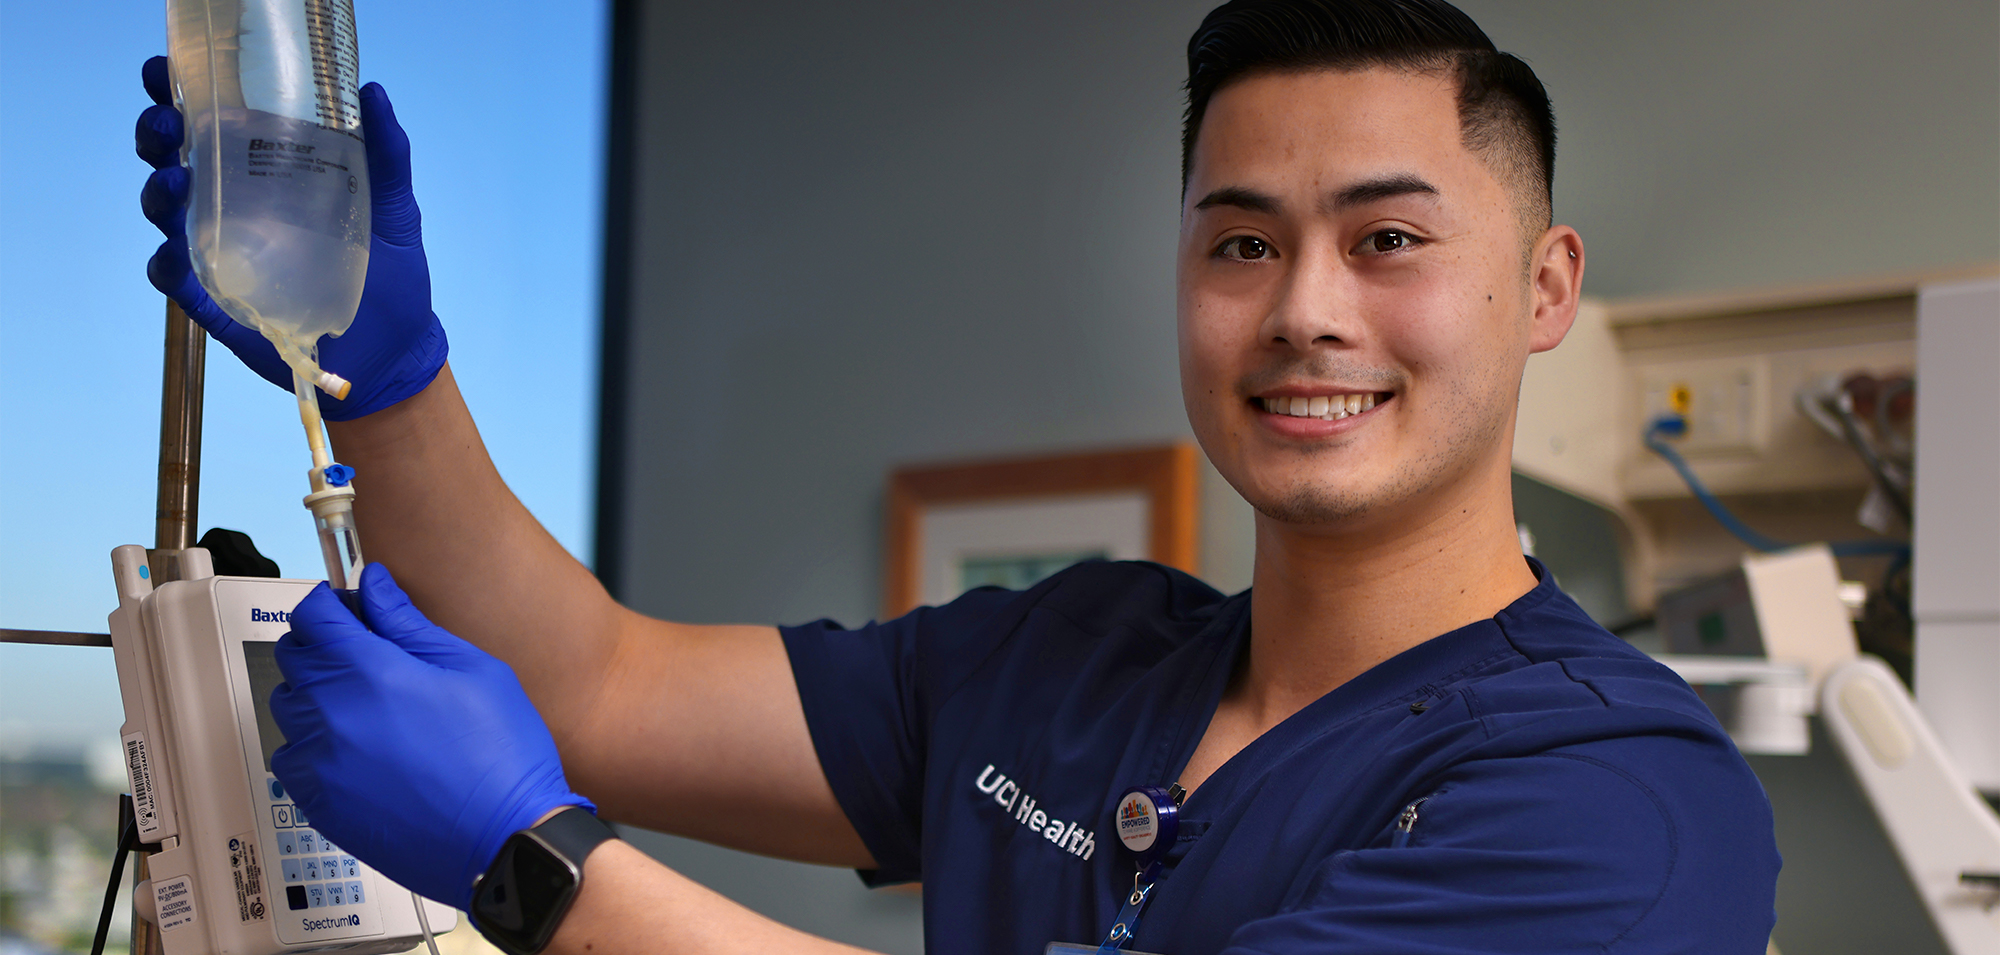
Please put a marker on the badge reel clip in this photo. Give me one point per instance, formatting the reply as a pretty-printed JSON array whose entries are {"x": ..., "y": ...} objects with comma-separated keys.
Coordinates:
[{"x": 1148, "y": 819}]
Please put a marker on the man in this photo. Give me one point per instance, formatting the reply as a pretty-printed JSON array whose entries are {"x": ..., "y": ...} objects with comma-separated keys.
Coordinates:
[{"x": 1403, "y": 738}]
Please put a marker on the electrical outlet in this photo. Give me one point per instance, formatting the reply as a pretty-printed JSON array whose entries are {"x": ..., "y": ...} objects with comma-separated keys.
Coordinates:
[{"x": 1723, "y": 400}]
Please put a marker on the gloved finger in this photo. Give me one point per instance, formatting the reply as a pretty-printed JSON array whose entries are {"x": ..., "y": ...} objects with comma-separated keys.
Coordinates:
[
  {"x": 322, "y": 627},
  {"x": 157, "y": 136},
  {"x": 164, "y": 200},
  {"x": 396, "y": 619},
  {"x": 303, "y": 723},
  {"x": 158, "y": 76},
  {"x": 170, "y": 271},
  {"x": 294, "y": 711},
  {"x": 322, "y": 656},
  {"x": 293, "y": 763},
  {"x": 394, "y": 217}
]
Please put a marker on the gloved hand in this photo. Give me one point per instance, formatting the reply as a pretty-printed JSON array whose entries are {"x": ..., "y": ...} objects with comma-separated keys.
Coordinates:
[
  {"x": 396, "y": 345},
  {"x": 408, "y": 747}
]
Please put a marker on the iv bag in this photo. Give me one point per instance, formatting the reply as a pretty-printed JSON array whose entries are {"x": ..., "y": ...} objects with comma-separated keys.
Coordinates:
[{"x": 278, "y": 206}]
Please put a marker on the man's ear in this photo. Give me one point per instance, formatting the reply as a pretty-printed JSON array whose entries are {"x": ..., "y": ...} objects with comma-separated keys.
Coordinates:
[{"x": 1558, "y": 284}]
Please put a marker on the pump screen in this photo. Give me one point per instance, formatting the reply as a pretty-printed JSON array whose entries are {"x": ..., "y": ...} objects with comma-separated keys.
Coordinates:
[{"x": 261, "y": 662}]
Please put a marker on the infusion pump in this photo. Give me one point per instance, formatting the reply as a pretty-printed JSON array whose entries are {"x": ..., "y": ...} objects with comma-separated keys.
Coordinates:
[{"x": 241, "y": 869}]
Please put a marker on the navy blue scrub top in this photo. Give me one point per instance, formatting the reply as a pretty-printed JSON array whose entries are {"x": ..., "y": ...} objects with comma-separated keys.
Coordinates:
[{"x": 1571, "y": 794}]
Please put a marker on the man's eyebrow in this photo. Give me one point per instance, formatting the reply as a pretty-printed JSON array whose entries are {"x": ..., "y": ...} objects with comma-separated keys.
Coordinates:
[
  {"x": 1375, "y": 190},
  {"x": 1241, "y": 198},
  {"x": 1354, "y": 194}
]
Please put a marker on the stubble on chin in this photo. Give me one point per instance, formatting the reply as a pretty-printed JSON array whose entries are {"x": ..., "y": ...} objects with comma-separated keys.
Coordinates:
[
  {"x": 1317, "y": 501},
  {"x": 1322, "y": 503}
]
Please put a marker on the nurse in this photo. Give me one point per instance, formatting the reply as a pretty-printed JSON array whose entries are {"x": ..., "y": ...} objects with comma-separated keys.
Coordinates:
[{"x": 1403, "y": 738}]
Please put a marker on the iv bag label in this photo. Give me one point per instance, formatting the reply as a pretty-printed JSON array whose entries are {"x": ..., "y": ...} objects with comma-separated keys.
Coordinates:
[
  {"x": 288, "y": 48},
  {"x": 336, "y": 62},
  {"x": 174, "y": 901},
  {"x": 281, "y": 158},
  {"x": 145, "y": 806},
  {"x": 248, "y": 874}
]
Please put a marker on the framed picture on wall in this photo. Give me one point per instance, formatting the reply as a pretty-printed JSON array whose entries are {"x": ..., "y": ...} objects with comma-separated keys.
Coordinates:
[{"x": 1011, "y": 523}]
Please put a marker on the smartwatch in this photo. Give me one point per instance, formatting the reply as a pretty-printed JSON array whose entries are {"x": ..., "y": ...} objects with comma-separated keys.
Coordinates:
[{"x": 521, "y": 899}]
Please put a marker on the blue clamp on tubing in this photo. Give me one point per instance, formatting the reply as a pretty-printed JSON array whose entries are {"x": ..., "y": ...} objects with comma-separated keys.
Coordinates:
[
  {"x": 338, "y": 475},
  {"x": 1673, "y": 426}
]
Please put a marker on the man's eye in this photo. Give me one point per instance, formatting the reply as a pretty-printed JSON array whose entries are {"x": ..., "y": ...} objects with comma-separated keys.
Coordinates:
[
  {"x": 1385, "y": 242},
  {"x": 1244, "y": 248}
]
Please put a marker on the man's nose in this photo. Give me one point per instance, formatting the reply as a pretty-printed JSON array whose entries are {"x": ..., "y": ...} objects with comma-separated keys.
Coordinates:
[{"x": 1316, "y": 307}]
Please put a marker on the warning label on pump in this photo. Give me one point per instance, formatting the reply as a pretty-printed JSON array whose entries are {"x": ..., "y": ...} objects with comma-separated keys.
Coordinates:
[
  {"x": 249, "y": 878},
  {"x": 145, "y": 807},
  {"x": 173, "y": 899}
]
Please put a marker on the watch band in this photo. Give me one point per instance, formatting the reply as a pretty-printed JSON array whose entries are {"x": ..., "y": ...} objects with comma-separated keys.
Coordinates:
[
  {"x": 574, "y": 832},
  {"x": 521, "y": 899}
]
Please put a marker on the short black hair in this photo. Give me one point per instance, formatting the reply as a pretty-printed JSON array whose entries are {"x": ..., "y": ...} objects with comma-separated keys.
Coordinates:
[{"x": 1503, "y": 112}]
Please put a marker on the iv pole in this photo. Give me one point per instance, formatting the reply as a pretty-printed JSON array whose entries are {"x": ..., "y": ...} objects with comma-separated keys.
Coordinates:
[
  {"x": 174, "y": 525},
  {"x": 179, "y": 496}
]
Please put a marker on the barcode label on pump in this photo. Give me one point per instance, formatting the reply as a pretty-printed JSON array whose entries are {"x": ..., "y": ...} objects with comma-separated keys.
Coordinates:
[{"x": 145, "y": 809}]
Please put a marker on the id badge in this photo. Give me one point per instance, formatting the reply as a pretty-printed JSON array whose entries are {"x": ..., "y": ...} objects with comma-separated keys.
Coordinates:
[{"x": 1072, "y": 948}]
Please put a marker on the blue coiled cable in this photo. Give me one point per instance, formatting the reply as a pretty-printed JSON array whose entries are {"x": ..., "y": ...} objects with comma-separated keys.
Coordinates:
[{"x": 1673, "y": 425}]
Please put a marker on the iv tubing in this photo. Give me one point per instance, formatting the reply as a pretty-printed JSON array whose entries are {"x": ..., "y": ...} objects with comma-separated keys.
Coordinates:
[
  {"x": 332, "y": 498},
  {"x": 314, "y": 424},
  {"x": 424, "y": 922}
]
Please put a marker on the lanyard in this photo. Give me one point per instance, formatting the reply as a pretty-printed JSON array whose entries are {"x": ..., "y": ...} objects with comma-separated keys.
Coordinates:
[
  {"x": 1128, "y": 917},
  {"x": 1148, "y": 818}
]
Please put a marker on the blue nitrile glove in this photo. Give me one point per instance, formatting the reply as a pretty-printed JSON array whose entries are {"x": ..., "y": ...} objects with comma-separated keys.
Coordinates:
[
  {"x": 396, "y": 345},
  {"x": 408, "y": 747}
]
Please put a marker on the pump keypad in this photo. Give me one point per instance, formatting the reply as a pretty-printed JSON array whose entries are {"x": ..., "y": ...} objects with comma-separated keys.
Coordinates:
[{"x": 317, "y": 873}]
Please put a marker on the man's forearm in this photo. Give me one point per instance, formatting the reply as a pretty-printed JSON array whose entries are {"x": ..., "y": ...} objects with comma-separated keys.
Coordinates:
[
  {"x": 632, "y": 904},
  {"x": 692, "y": 729},
  {"x": 434, "y": 510}
]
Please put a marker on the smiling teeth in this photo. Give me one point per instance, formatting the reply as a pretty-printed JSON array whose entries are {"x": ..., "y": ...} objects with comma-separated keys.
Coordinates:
[{"x": 1324, "y": 407}]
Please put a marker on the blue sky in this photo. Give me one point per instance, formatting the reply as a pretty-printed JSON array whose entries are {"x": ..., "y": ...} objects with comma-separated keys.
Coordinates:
[{"x": 504, "y": 105}]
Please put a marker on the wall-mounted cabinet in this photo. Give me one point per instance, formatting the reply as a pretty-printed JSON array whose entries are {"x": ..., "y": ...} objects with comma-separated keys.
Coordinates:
[{"x": 1735, "y": 363}]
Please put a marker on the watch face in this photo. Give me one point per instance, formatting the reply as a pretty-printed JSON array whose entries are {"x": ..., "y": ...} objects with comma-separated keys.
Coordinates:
[{"x": 522, "y": 899}]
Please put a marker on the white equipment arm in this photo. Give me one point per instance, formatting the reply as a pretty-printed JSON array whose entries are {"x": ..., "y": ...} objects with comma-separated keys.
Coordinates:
[{"x": 1947, "y": 836}]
